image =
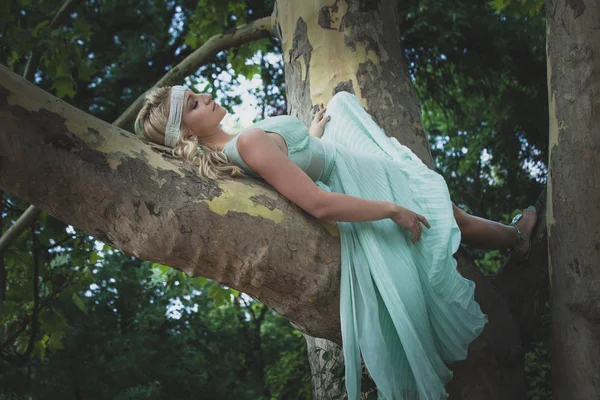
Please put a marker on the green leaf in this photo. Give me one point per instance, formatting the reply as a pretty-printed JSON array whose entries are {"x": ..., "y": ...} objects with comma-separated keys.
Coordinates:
[
  {"x": 39, "y": 348},
  {"x": 64, "y": 87},
  {"x": 79, "y": 303},
  {"x": 55, "y": 342},
  {"x": 85, "y": 70},
  {"x": 94, "y": 257},
  {"x": 201, "y": 281},
  {"x": 39, "y": 27},
  {"x": 59, "y": 260},
  {"x": 499, "y": 5},
  {"x": 220, "y": 295}
]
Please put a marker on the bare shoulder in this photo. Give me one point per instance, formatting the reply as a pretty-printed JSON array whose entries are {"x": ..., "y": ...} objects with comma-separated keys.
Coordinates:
[
  {"x": 265, "y": 158},
  {"x": 250, "y": 142},
  {"x": 250, "y": 135}
]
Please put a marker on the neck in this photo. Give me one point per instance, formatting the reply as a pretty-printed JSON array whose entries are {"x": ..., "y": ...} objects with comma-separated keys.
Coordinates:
[{"x": 217, "y": 140}]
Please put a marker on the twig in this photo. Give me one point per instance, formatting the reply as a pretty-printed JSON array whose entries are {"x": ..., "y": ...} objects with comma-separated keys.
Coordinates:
[{"x": 258, "y": 29}]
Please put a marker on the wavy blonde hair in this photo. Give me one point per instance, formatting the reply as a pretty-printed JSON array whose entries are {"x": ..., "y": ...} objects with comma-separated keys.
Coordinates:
[{"x": 151, "y": 123}]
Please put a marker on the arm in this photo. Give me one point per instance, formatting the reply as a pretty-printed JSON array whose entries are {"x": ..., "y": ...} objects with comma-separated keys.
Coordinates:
[{"x": 267, "y": 160}]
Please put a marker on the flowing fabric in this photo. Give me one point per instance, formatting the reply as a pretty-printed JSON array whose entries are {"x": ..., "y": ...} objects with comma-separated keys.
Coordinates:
[{"x": 404, "y": 307}]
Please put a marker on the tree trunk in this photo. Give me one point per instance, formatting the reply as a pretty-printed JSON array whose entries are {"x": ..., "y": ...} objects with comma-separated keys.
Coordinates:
[
  {"x": 573, "y": 46},
  {"x": 355, "y": 46}
]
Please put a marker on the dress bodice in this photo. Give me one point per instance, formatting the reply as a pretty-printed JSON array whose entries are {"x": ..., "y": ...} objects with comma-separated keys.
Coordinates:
[{"x": 315, "y": 158}]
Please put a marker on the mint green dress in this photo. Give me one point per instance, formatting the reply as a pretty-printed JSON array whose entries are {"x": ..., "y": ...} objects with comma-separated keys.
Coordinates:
[{"x": 403, "y": 306}]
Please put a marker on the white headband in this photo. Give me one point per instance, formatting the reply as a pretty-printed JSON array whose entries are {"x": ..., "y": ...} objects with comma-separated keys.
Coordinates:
[{"x": 172, "y": 132}]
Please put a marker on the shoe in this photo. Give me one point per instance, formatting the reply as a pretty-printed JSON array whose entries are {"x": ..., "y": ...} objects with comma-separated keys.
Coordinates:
[{"x": 517, "y": 256}]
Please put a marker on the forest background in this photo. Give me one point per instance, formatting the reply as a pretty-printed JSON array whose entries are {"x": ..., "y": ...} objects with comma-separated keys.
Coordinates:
[{"x": 111, "y": 326}]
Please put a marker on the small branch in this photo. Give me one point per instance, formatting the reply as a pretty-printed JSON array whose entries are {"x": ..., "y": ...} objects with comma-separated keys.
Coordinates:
[
  {"x": 24, "y": 221},
  {"x": 35, "y": 323},
  {"x": 34, "y": 57},
  {"x": 259, "y": 29},
  {"x": 2, "y": 266},
  {"x": 37, "y": 309}
]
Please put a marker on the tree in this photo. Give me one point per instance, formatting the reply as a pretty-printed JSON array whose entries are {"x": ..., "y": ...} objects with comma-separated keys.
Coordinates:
[
  {"x": 130, "y": 211},
  {"x": 573, "y": 195}
]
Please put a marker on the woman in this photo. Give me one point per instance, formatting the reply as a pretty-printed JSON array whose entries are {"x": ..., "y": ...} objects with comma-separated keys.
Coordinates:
[{"x": 403, "y": 305}]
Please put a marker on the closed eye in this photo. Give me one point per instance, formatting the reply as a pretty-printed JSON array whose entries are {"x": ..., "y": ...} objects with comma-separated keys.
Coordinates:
[{"x": 195, "y": 105}]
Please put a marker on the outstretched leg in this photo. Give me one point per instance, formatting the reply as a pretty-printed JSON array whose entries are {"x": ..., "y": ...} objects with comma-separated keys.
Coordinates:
[{"x": 485, "y": 234}]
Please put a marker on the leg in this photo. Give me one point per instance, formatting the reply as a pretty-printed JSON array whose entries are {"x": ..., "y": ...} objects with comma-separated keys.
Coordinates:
[{"x": 485, "y": 234}]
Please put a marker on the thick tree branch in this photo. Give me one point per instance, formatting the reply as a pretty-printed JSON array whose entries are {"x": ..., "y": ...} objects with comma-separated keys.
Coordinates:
[
  {"x": 32, "y": 64},
  {"x": 257, "y": 30},
  {"x": 261, "y": 28},
  {"x": 108, "y": 183}
]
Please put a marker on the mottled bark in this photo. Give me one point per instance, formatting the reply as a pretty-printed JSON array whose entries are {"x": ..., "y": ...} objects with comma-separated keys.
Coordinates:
[
  {"x": 33, "y": 212},
  {"x": 106, "y": 182},
  {"x": 573, "y": 215},
  {"x": 355, "y": 46},
  {"x": 325, "y": 385}
]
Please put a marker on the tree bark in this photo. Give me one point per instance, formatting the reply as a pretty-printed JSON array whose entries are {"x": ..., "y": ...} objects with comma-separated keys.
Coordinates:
[
  {"x": 355, "y": 46},
  {"x": 573, "y": 50},
  {"x": 106, "y": 182},
  {"x": 32, "y": 64},
  {"x": 526, "y": 286}
]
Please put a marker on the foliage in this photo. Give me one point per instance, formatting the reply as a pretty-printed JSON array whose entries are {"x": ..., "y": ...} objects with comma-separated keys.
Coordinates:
[
  {"x": 518, "y": 8},
  {"x": 139, "y": 334},
  {"x": 480, "y": 78}
]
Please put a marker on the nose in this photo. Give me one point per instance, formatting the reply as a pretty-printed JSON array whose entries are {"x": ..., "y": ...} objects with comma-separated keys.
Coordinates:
[{"x": 208, "y": 98}]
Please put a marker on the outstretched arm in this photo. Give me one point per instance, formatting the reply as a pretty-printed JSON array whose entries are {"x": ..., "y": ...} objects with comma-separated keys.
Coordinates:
[{"x": 267, "y": 160}]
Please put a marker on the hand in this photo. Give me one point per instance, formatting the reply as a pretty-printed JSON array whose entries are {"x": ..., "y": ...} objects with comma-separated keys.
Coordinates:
[
  {"x": 318, "y": 124},
  {"x": 411, "y": 221}
]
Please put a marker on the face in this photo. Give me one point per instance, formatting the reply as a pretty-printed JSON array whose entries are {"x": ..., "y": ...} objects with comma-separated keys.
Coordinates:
[{"x": 201, "y": 115}]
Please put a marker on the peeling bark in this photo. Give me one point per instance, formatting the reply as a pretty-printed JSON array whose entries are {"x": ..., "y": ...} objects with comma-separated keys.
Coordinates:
[
  {"x": 353, "y": 46},
  {"x": 106, "y": 182},
  {"x": 334, "y": 45},
  {"x": 573, "y": 51}
]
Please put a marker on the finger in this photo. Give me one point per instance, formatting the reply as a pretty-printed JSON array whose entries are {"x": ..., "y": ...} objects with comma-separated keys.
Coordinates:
[
  {"x": 322, "y": 110},
  {"x": 326, "y": 119},
  {"x": 424, "y": 220},
  {"x": 414, "y": 235}
]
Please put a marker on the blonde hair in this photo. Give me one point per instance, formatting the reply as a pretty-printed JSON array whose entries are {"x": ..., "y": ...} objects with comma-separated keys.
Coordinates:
[{"x": 151, "y": 123}]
